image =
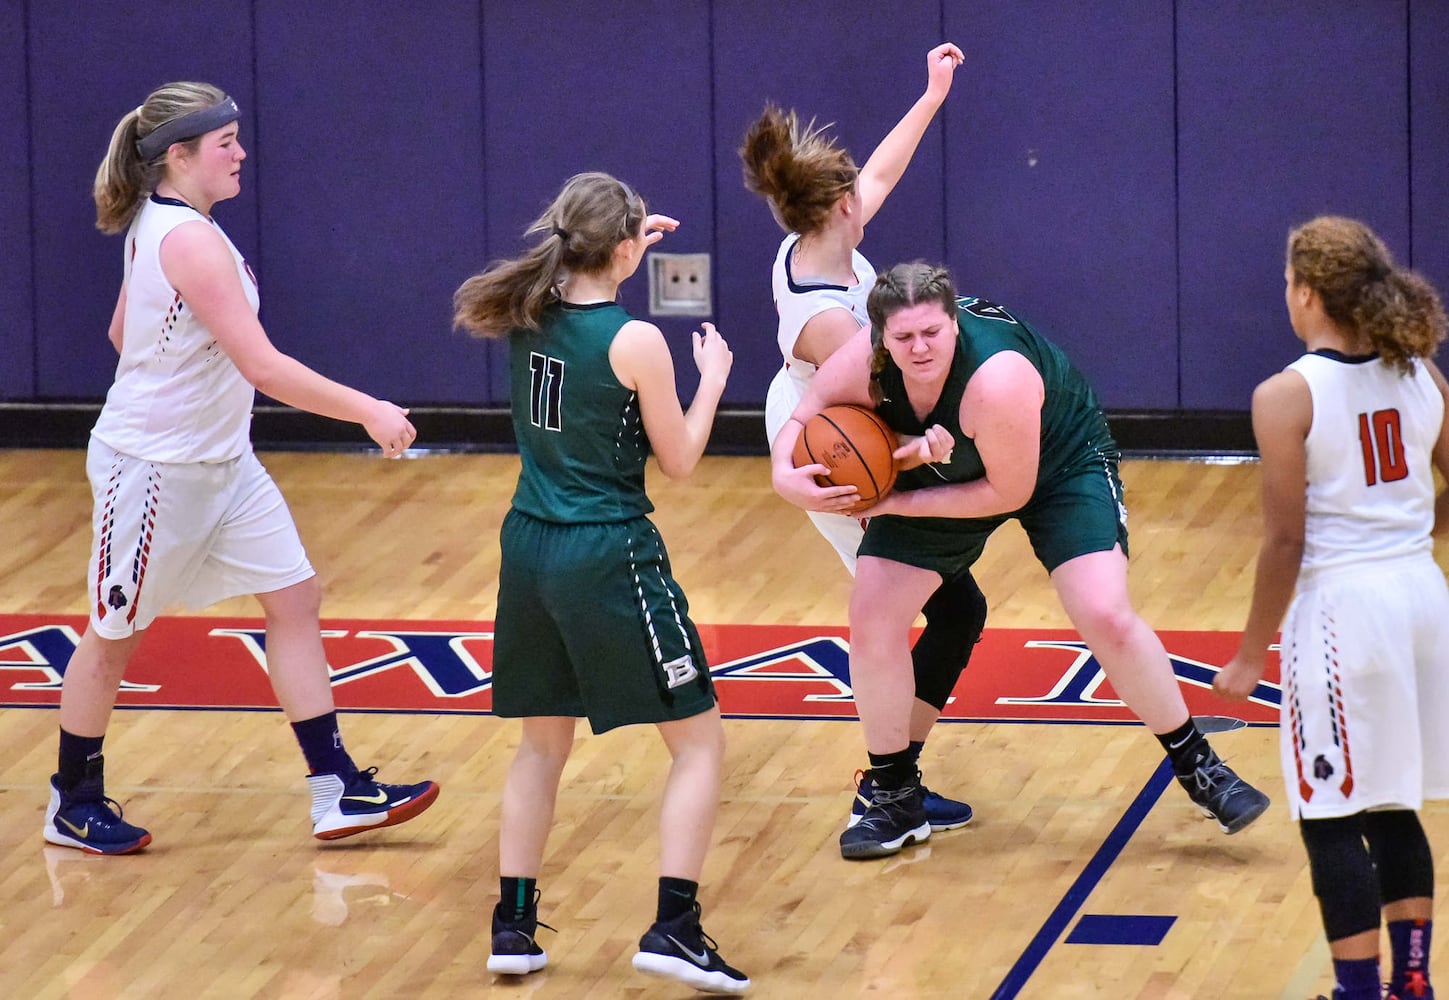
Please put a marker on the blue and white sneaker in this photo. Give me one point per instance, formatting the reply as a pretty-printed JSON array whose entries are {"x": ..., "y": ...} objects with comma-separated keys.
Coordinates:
[
  {"x": 895, "y": 818},
  {"x": 342, "y": 807},
  {"x": 516, "y": 951},
  {"x": 942, "y": 813},
  {"x": 680, "y": 950},
  {"x": 84, "y": 818}
]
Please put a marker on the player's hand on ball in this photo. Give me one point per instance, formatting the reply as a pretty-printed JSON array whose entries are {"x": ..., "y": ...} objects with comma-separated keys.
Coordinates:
[
  {"x": 800, "y": 487},
  {"x": 854, "y": 448}
]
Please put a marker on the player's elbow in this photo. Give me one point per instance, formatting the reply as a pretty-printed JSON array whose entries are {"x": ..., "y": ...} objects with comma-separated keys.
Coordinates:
[
  {"x": 1016, "y": 495},
  {"x": 1286, "y": 543},
  {"x": 676, "y": 467},
  {"x": 264, "y": 374}
]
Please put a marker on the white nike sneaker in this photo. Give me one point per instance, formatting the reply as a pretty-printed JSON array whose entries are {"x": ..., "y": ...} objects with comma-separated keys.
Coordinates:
[{"x": 344, "y": 806}]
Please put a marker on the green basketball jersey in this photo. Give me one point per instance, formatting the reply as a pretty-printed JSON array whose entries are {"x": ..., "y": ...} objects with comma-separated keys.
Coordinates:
[
  {"x": 1073, "y": 429},
  {"x": 579, "y": 431}
]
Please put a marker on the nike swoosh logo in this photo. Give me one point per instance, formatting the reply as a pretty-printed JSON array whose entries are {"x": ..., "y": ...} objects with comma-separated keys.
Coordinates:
[
  {"x": 82, "y": 831},
  {"x": 700, "y": 959},
  {"x": 1180, "y": 743},
  {"x": 377, "y": 799}
]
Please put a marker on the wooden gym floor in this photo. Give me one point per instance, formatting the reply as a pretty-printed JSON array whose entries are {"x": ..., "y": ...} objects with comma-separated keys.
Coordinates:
[{"x": 235, "y": 900}]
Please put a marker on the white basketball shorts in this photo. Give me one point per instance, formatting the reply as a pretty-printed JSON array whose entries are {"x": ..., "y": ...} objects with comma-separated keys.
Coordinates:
[
  {"x": 167, "y": 534},
  {"x": 1365, "y": 715}
]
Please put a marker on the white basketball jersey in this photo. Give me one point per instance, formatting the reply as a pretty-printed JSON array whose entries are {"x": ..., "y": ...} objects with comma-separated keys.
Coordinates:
[
  {"x": 177, "y": 397},
  {"x": 799, "y": 298},
  {"x": 1370, "y": 475}
]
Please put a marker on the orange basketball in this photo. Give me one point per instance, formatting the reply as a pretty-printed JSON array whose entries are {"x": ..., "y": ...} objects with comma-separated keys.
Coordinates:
[{"x": 856, "y": 445}]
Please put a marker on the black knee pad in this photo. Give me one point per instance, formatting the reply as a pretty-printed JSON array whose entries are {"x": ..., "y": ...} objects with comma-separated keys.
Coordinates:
[
  {"x": 955, "y": 618},
  {"x": 1400, "y": 851},
  {"x": 1344, "y": 879}
]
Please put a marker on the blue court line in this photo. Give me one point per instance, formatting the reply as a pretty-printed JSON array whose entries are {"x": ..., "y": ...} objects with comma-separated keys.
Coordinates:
[
  {"x": 1121, "y": 928},
  {"x": 1077, "y": 895}
]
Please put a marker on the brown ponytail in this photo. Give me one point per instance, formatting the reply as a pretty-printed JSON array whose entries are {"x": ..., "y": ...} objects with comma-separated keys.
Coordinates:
[
  {"x": 124, "y": 179},
  {"x": 591, "y": 216},
  {"x": 800, "y": 171}
]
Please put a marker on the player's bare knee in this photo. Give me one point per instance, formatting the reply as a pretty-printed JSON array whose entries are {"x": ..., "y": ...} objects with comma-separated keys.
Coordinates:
[{"x": 301, "y": 602}]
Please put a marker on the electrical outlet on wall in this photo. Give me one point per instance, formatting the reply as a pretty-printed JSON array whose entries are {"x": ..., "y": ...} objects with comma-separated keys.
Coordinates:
[{"x": 679, "y": 284}]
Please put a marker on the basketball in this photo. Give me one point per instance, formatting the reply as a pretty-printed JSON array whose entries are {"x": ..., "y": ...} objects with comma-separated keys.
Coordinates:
[{"x": 856, "y": 445}]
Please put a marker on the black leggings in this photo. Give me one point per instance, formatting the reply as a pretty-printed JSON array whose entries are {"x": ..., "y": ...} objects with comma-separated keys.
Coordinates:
[
  {"x": 1364, "y": 862},
  {"x": 955, "y": 617}
]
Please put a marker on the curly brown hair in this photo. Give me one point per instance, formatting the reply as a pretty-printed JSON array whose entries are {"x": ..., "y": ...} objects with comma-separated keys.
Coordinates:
[{"x": 1362, "y": 289}]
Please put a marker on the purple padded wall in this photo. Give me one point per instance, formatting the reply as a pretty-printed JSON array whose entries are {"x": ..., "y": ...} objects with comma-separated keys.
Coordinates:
[
  {"x": 89, "y": 65},
  {"x": 1060, "y": 167},
  {"x": 1124, "y": 180},
  {"x": 572, "y": 86},
  {"x": 17, "y": 322},
  {"x": 370, "y": 165},
  {"x": 1284, "y": 114},
  {"x": 1429, "y": 131},
  {"x": 837, "y": 69}
]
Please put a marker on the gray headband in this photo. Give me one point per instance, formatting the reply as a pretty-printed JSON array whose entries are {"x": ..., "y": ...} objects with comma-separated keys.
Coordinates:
[{"x": 187, "y": 126}]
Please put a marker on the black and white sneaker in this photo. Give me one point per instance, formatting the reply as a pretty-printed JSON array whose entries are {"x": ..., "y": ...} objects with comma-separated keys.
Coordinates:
[
  {"x": 895, "y": 817},
  {"x": 516, "y": 951},
  {"x": 679, "y": 949},
  {"x": 1222, "y": 795}
]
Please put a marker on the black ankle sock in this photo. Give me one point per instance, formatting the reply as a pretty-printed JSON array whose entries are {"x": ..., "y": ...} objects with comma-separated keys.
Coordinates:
[
  {"x": 676, "y": 897},
  {"x": 893, "y": 770},
  {"x": 915, "y": 747},
  {"x": 321, "y": 742},
  {"x": 515, "y": 897},
  {"x": 1186, "y": 746},
  {"x": 76, "y": 754}
]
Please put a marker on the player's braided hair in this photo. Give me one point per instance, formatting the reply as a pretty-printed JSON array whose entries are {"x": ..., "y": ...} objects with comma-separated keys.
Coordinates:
[
  {"x": 899, "y": 288},
  {"x": 591, "y": 216},
  {"x": 1361, "y": 288},
  {"x": 799, "y": 169}
]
